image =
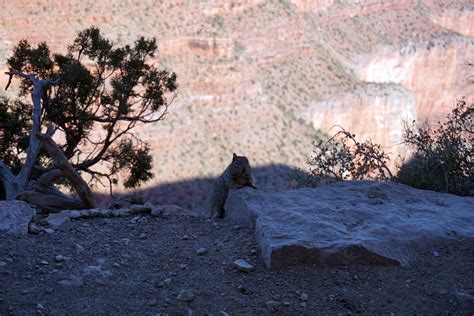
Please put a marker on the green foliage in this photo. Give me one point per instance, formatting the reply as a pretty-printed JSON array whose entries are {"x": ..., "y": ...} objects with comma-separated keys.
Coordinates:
[
  {"x": 104, "y": 92},
  {"x": 443, "y": 159},
  {"x": 14, "y": 132},
  {"x": 133, "y": 159},
  {"x": 342, "y": 157}
]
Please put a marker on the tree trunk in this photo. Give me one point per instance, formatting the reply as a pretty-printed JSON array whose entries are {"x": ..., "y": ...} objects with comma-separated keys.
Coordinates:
[
  {"x": 15, "y": 184},
  {"x": 50, "y": 202},
  {"x": 61, "y": 162}
]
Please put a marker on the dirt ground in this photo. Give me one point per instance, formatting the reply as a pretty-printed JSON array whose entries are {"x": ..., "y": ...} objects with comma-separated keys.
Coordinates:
[{"x": 141, "y": 265}]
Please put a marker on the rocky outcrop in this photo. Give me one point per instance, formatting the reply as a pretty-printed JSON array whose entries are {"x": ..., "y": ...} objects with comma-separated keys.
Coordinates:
[
  {"x": 453, "y": 15},
  {"x": 434, "y": 73},
  {"x": 15, "y": 217},
  {"x": 353, "y": 222},
  {"x": 382, "y": 121}
]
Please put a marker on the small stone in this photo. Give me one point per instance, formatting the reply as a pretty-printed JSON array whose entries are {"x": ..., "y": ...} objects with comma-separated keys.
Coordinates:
[
  {"x": 272, "y": 305},
  {"x": 156, "y": 211},
  {"x": 201, "y": 251},
  {"x": 304, "y": 297},
  {"x": 142, "y": 236},
  {"x": 140, "y": 209},
  {"x": 48, "y": 231},
  {"x": 49, "y": 290},
  {"x": 224, "y": 313},
  {"x": 75, "y": 214},
  {"x": 182, "y": 266},
  {"x": 39, "y": 306},
  {"x": 286, "y": 303},
  {"x": 435, "y": 253},
  {"x": 303, "y": 304},
  {"x": 3, "y": 263},
  {"x": 243, "y": 265},
  {"x": 168, "y": 281},
  {"x": 78, "y": 248},
  {"x": 95, "y": 213},
  {"x": 34, "y": 229},
  {"x": 59, "y": 221},
  {"x": 44, "y": 262},
  {"x": 242, "y": 289},
  {"x": 71, "y": 281},
  {"x": 117, "y": 265},
  {"x": 59, "y": 258},
  {"x": 125, "y": 241},
  {"x": 185, "y": 237},
  {"x": 185, "y": 296},
  {"x": 148, "y": 204}
]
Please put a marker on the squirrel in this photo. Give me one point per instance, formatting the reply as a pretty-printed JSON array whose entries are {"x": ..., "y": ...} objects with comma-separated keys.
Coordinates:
[{"x": 237, "y": 175}]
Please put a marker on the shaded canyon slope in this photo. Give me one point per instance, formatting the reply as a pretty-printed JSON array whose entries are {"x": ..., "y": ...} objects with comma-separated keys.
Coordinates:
[{"x": 260, "y": 78}]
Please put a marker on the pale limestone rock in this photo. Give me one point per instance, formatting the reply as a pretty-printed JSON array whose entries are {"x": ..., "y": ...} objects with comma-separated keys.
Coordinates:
[
  {"x": 59, "y": 221},
  {"x": 243, "y": 265},
  {"x": 15, "y": 217},
  {"x": 168, "y": 211},
  {"x": 186, "y": 296},
  {"x": 339, "y": 225},
  {"x": 140, "y": 209}
]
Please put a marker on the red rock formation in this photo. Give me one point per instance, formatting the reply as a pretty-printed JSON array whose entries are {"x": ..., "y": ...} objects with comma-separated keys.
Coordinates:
[{"x": 252, "y": 72}]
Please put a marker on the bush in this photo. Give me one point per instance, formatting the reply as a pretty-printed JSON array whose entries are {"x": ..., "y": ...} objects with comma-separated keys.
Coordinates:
[
  {"x": 443, "y": 158},
  {"x": 342, "y": 157}
]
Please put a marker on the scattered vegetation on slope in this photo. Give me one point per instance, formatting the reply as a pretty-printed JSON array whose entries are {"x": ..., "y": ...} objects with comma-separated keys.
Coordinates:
[{"x": 442, "y": 156}]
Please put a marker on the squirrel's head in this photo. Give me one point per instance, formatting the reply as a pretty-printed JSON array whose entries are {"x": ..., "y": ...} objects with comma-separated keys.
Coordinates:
[{"x": 242, "y": 172}]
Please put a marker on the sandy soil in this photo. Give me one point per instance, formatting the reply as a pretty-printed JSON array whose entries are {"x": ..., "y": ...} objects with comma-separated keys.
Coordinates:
[{"x": 140, "y": 266}]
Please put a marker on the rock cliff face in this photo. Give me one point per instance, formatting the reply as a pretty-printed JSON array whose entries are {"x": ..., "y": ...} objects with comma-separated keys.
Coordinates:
[
  {"x": 390, "y": 107},
  {"x": 433, "y": 73},
  {"x": 258, "y": 77}
]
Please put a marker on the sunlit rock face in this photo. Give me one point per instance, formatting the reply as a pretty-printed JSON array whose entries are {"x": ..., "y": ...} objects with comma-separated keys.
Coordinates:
[
  {"x": 259, "y": 77},
  {"x": 435, "y": 73},
  {"x": 375, "y": 111},
  {"x": 453, "y": 15}
]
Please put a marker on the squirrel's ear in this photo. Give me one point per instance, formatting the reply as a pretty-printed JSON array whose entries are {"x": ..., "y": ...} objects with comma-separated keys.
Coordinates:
[{"x": 234, "y": 157}]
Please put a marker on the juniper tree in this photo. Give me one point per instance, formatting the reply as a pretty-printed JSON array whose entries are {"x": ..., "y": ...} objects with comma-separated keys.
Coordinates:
[{"x": 92, "y": 97}]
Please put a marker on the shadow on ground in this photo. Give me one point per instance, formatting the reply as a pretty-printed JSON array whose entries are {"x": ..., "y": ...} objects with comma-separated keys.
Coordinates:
[{"x": 192, "y": 194}]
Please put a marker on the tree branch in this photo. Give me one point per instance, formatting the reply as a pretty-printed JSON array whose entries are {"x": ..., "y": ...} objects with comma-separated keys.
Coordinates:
[
  {"x": 50, "y": 176},
  {"x": 61, "y": 162},
  {"x": 23, "y": 176}
]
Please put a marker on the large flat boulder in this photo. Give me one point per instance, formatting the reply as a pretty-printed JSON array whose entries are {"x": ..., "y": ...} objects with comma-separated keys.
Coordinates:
[
  {"x": 352, "y": 222},
  {"x": 15, "y": 217}
]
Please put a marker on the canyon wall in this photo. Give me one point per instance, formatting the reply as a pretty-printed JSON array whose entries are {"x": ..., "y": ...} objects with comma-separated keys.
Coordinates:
[{"x": 261, "y": 77}]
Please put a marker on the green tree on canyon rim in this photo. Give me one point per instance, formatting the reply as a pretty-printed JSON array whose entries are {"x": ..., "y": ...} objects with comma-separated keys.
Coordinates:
[{"x": 90, "y": 99}]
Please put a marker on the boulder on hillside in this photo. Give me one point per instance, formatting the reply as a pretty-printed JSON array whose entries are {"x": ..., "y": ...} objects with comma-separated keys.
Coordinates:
[
  {"x": 351, "y": 222},
  {"x": 15, "y": 217}
]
